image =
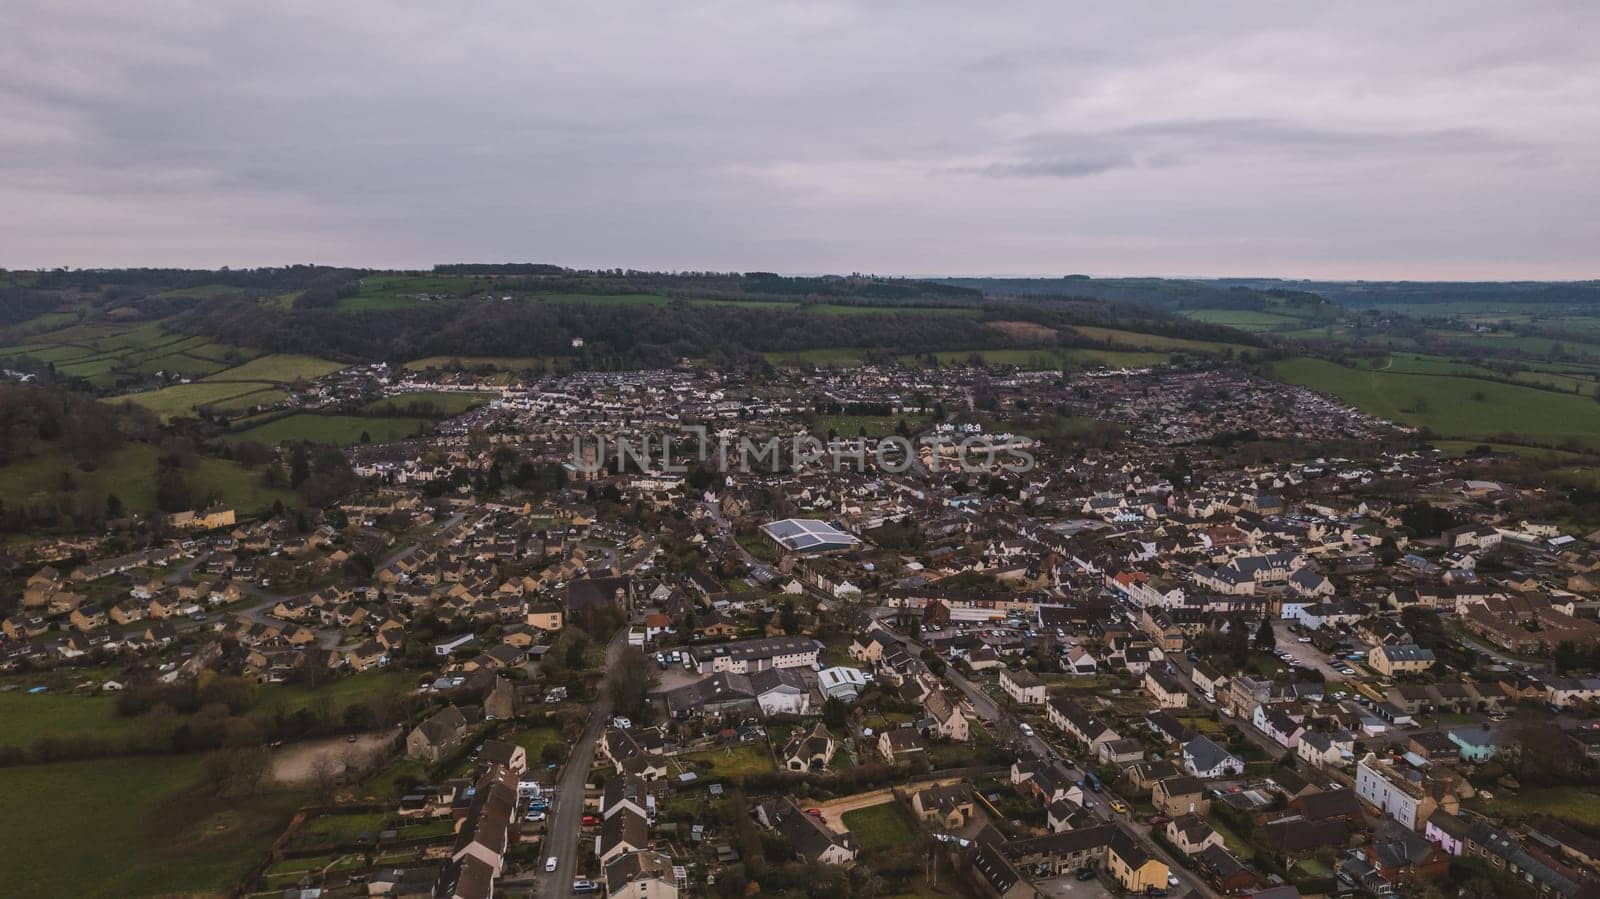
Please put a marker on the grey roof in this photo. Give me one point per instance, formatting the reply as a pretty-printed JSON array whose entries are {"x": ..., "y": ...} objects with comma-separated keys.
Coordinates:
[{"x": 808, "y": 535}]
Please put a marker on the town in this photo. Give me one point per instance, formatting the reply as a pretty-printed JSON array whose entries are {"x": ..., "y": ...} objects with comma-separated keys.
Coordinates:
[{"x": 1219, "y": 636}]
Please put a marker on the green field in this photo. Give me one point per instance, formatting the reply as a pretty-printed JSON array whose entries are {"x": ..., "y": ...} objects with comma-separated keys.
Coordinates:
[
  {"x": 836, "y": 309},
  {"x": 732, "y": 761},
  {"x": 184, "y": 399},
  {"x": 384, "y": 292},
  {"x": 279, "y": 368},
  {"x": 444, "y": 403},
  {"x": 879, "y": 827},
  {"x": 106, "y": 353},
  {"x": 1452, "y": 406},
  {"x": 28, "y": 716},
  {"x": 130, "y": 474},
  {"x": 1582, "y": 807},
  {"x": 338, "y": 429},
  {"x": 128, "y": 827},
  {"x": 1246, "y": 319}
]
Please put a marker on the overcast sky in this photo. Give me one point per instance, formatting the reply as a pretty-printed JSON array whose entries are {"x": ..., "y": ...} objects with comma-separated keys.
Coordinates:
[{"x": 1448, "y": 140}]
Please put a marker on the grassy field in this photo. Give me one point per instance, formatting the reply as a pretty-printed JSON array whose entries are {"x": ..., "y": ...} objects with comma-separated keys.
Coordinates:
[
  {"x": 279, "y": 368},
  {"x": 879, "y": 827},
  {"x": 184, "y": 399},
  {"x": 337, "y": 695},
  {"x": 128, "y": 827},
  {"x": 1246, "y": 319},
  {"x": 328, "y": 831},
  {"x": 31, "y": 716},
  {"x": 130, "y": 475},
  {"x": 383, "y": 292},
  {"x": 339, "y": 429},
  {"x": 836, "y": 309},
  {"x": 444, "y": 404},
  {"x": 105, "y": 353},
  {"x": 1456, "y": 407},
  {"x": 732, "y": 762},
  {"x": 1576, "y": 805}
]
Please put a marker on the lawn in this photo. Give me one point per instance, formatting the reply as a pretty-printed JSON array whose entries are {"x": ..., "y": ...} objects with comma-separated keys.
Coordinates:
[
  {"x": 733, "y": 761},
  {"x": 340, "y": 830},
  {"x": 879, "y": 827},
  {"x": 280, "y": 368},
  {"x": 128, "y": 827},
  {"x": 339, "y": 429},
  {"x": 535, "y": 739},
  {"x": 1580, "y": 806},
  {"x": 1453, "y": 406}
]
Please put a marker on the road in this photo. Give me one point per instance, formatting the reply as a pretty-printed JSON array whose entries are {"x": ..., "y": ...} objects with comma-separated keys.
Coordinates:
[{"x": 566, "y": 811}]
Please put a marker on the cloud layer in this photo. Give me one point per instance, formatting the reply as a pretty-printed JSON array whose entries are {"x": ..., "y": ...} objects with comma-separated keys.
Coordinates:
[{"x": 1428, "y": 140}]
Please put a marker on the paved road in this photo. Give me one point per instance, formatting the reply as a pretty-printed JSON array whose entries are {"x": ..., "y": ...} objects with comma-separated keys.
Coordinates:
[{"x": 564, "y": 823}]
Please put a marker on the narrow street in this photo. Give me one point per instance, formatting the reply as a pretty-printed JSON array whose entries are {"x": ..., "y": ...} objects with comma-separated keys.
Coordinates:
[{"x": 563, "y": 826}]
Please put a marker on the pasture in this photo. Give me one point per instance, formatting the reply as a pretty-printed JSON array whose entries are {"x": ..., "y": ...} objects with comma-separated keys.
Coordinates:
[
  {"x": 342, "y": 430},
  {"x": 1454, "y": 406},
  {"x": 129, "y": 827}
]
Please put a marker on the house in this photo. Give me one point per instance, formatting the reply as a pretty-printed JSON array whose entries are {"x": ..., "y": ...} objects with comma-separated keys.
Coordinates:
[
  {"x": 1407, "y": 658},
  {"x": 1023, "y": 686},
  {"x": 437, "y": 735},
  {"x": 623, "y": 832},
  {"x": 901, "y": 744},
  {"x": 1223, "y": 870},
  {"x": 870, "y": 649},
  {"x": 1326, "y": 750},
  {"x": 747, "y": 656},
  {"x": 808, "y": 836},
  {"x": 948, "y": 720},
  {"x": 1476, "y": 744},
  {"x": 641, "y": 875},
  {"x": 808, "y": 750},
  {"x": 1079, "y": 723},
  {"x": 1165, "y": 689},
  {"x": 1203, "y": 758},
  {"x": 1402, "y": 795},
  {"x": 997, "y": 872},
  {"x": 780, "y": 691},
  {"x": 546, "y": 616},
  {"x": 948, "y": 807},
  {"x": 1181, "y": 795},
  {"x": 1081, "y": 662},
  {"x": 1133, "y": 868},
  {"x": 1191, "y": 834},
  {"x": 842, "y": 683}
]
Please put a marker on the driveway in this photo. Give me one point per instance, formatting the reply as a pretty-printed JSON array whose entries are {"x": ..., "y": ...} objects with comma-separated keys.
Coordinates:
[{"x": 1069, "y": 887}]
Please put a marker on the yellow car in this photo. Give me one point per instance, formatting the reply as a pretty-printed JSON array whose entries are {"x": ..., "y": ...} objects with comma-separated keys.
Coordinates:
[{"x": 1118, "y": 806}]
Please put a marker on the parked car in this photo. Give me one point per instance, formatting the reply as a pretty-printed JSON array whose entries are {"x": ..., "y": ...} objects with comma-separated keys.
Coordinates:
[
  {"x": 591, "y": 821},
  {"x": 585, "y": 886},
  {"x": 550, "y": 864},
  {"x": 1086, "y": 874},
  {"x": 1118, "y": 806}
]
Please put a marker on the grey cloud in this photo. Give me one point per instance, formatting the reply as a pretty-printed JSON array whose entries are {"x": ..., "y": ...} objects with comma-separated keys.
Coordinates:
[{"x": 1241, "y": 137}]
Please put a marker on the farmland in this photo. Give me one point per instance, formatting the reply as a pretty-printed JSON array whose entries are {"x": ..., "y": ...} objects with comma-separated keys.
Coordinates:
[
  {"x": 1452, "y": 405},
  {"x": 338, "y": 429},
  {"x": 106, "y": 354},
  {"x": 203, "y": 844},
  {"x": 279, "y": 368}
]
